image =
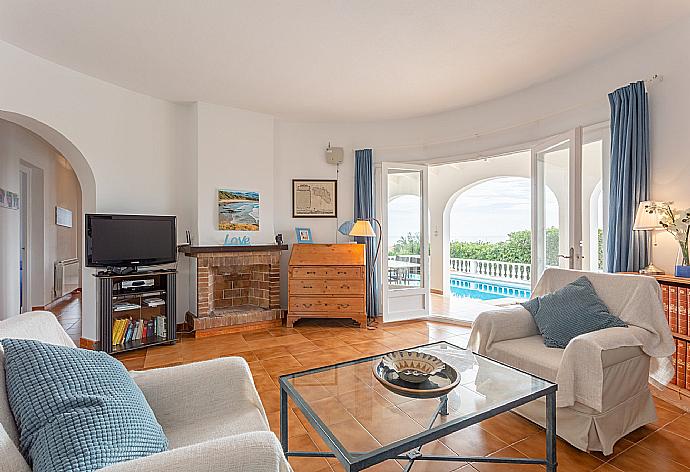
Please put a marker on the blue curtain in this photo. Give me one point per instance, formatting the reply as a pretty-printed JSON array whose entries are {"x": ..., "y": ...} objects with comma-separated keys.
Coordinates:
[
  {"x": 364, "y": 209},
  {"x": 630, "y": 176}
]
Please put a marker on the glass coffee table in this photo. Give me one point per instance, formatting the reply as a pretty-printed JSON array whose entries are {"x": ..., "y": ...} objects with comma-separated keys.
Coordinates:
[{"x": 363, "y": 423}]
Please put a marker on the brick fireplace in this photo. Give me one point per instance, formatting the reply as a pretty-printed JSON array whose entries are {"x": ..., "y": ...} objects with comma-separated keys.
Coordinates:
[{"x": 238, "y": 288}]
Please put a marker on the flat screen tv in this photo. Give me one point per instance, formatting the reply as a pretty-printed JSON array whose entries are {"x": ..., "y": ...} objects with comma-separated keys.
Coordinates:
[{"x": 130, "y": 240}]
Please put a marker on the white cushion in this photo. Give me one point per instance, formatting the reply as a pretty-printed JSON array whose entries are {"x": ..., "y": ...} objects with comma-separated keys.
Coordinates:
[{"x": 529, "y": 354}]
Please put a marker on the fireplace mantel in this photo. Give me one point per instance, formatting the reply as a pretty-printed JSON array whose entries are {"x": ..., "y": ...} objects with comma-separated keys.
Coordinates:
[{"x": 194, "y": 251}]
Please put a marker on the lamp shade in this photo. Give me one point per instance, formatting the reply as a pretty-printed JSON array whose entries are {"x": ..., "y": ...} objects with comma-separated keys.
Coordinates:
[
  {"x": 346, "y": 227},
  {"x": 363, "y": 228},
  {"x": 646, "y": 217}
]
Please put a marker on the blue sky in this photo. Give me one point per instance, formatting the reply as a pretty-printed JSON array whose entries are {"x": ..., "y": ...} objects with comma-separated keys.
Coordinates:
[{"x": 486, "y": 212}]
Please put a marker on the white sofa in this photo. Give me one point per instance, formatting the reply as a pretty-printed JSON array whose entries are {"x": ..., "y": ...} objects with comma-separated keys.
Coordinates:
[
  {"x": 624, "y": 402},
  {"x": 210, "y": 412}
]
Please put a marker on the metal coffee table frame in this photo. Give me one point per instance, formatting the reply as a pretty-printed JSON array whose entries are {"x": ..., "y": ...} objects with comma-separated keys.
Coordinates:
[{"x": 409, "y": 449}]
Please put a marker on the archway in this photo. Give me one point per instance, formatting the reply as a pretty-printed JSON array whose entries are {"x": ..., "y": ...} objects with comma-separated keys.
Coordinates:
[
  {"x": 87, "y": 181},
  {"x": 488, "y": 234}
]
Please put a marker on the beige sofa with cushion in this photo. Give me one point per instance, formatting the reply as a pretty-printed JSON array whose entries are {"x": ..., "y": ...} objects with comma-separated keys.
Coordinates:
[
  {"x": 210, "y": 412},
  {"x": 510, "y": 335}
]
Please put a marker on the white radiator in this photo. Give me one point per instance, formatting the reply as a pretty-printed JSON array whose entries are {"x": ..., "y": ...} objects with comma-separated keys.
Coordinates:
[{"x": 66, "y": 277}]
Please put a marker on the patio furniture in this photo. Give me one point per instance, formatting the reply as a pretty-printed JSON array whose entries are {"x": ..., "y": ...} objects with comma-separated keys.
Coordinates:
[
  {"x": 343, "y": 403},
  {"x": 602, "y": 375},
  {"x": 210, "y": 411}
]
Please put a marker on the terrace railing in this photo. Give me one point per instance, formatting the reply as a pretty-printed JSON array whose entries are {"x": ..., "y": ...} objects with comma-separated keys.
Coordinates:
[{"x": 511, "y": 271}]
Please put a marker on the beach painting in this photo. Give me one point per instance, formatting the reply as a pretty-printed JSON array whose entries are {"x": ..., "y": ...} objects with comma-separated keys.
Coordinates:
[{"x": 238, "y": 210}]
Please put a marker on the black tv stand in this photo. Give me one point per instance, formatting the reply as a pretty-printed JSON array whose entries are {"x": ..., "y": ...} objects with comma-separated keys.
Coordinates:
[{"x": 153, "y": 306}]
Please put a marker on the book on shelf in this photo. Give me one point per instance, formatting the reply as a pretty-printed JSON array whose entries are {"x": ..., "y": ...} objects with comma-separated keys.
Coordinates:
[
  {"x": 683, "y": 310},
  {"x": 673, "y": 307},
  {"x": 128, "y": 330},
  {"x": 664, "y": 300},
  {"x": 681, "y": 353}
]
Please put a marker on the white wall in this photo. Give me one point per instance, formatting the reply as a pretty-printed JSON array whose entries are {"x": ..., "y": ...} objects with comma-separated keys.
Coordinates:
[
  {"x": 53, "y": 183},
  {"x": 234, "y": 151}
]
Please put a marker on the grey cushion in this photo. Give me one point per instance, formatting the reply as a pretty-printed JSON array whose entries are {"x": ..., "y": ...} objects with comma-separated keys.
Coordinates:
[
  {"x": 76, "y": 410},
  {"x": 569, "y": 312}
]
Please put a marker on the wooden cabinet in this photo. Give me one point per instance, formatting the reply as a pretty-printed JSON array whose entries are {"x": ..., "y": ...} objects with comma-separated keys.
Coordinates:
[
  {"x": 327, "y": 281},
  {"x": 675, "y": 297}
]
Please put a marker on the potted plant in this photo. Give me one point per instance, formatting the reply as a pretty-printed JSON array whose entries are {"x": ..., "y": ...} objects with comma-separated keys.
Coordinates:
[{"x": 677, "y": 222}]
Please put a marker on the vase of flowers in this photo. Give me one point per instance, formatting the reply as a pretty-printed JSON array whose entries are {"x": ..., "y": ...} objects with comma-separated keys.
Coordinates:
[{"x": 677, "y": 222}]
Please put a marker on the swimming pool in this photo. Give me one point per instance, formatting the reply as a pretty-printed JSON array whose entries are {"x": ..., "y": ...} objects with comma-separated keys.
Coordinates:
[{"x": 480, "y": 289}]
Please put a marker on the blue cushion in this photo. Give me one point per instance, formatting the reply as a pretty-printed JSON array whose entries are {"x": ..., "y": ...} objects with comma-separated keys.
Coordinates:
[
  {"x": 569, "y": 312},
  {"x": 76, "y": 410}
]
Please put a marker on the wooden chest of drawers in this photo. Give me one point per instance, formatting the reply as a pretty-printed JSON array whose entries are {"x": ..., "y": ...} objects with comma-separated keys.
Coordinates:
[{"x": 327, "y": 281}]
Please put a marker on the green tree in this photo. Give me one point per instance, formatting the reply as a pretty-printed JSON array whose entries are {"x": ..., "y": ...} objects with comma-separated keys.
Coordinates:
[
  {"x": 409, "y": 244},
  {"x": 517, "y": 248}
]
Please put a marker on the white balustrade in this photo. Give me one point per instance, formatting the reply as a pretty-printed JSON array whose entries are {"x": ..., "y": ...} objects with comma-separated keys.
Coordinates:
[{"x": 512, "y": 271}]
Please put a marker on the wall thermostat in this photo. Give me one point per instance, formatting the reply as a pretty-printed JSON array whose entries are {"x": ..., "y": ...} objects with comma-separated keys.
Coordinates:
[{"x": 334, "y": 155}]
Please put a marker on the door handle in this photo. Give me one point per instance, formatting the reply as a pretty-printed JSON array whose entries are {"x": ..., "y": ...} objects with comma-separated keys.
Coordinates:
[{"x": 564, "y": 256}]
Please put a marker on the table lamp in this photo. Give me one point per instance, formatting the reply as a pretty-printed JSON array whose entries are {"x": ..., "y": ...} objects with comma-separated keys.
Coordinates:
[{"x": 647, "y": 219}]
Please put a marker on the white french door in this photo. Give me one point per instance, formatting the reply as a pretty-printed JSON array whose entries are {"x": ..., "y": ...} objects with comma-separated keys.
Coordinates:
[
  {"x": 570, "y": 196},
  {"x": 403, "y": 203}
]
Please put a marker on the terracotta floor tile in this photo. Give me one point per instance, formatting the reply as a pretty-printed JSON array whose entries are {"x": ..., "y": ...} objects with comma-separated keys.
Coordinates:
[
  {"x": 608, "y": 468},
  {"x": 507, "y": 452},
  {"x": 439, "y": 449},
  {"x": 509, "y": 427},
  {"x": 306, "y": 464},
  {"x": 665, "y": 416},
  {"x": 667, "y": 444},
  {"x": 680, "y": 426},
  {"x": 254, "y": 335},
  {"x": 640, "y": 459},
  {"x": 281, "y": 364},
  {"x": 370, "y": 348},
  {"x": 271, "y": 352},
  {"x": 326, "y": 343},
  {"x": 300, "y": 348},
  {"x": 473, "y": 441},
  {"x": 295, "y": 427},
  {"x": 666, "y": 405},
  {"x": 640, "y": 433},
  {"x": 569, "y": 458}
]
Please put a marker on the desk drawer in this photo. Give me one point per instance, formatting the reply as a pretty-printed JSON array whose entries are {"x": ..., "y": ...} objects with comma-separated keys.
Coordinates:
[
  {"x": 333, "y": 305},
  {"x": 336, "y": 272},
  {"x": 326, "y": 287}
]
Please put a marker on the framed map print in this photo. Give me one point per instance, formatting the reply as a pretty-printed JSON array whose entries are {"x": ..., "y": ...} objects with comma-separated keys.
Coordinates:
[{"x": 314, "y": 198}]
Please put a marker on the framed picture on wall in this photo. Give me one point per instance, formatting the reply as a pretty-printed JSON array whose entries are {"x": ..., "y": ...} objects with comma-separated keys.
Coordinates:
[
  {"x": 63, "y": 217},
  {"x": 303, "y": 235},
  {"x": 314, "y": 198}
]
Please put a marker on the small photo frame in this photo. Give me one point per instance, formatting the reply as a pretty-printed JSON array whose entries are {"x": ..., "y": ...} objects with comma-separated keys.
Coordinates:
[{"x": 303, "y": 235}]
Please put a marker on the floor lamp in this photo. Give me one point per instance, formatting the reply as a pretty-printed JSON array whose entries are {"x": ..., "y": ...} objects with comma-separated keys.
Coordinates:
[{"x": 363, "y": 229}]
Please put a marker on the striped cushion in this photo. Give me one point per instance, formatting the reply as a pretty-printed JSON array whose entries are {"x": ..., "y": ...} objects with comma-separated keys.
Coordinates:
[
  {"x": 569, "y": 312},
  {"x": 76, "y": 410}
]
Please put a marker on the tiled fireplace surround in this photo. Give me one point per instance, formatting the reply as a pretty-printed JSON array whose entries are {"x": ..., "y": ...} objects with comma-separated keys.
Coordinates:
[{"x": 236, "y": 288}]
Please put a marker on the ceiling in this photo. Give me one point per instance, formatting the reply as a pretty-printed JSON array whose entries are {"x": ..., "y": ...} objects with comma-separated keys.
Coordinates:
[{"x": 330, "y": 60}]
